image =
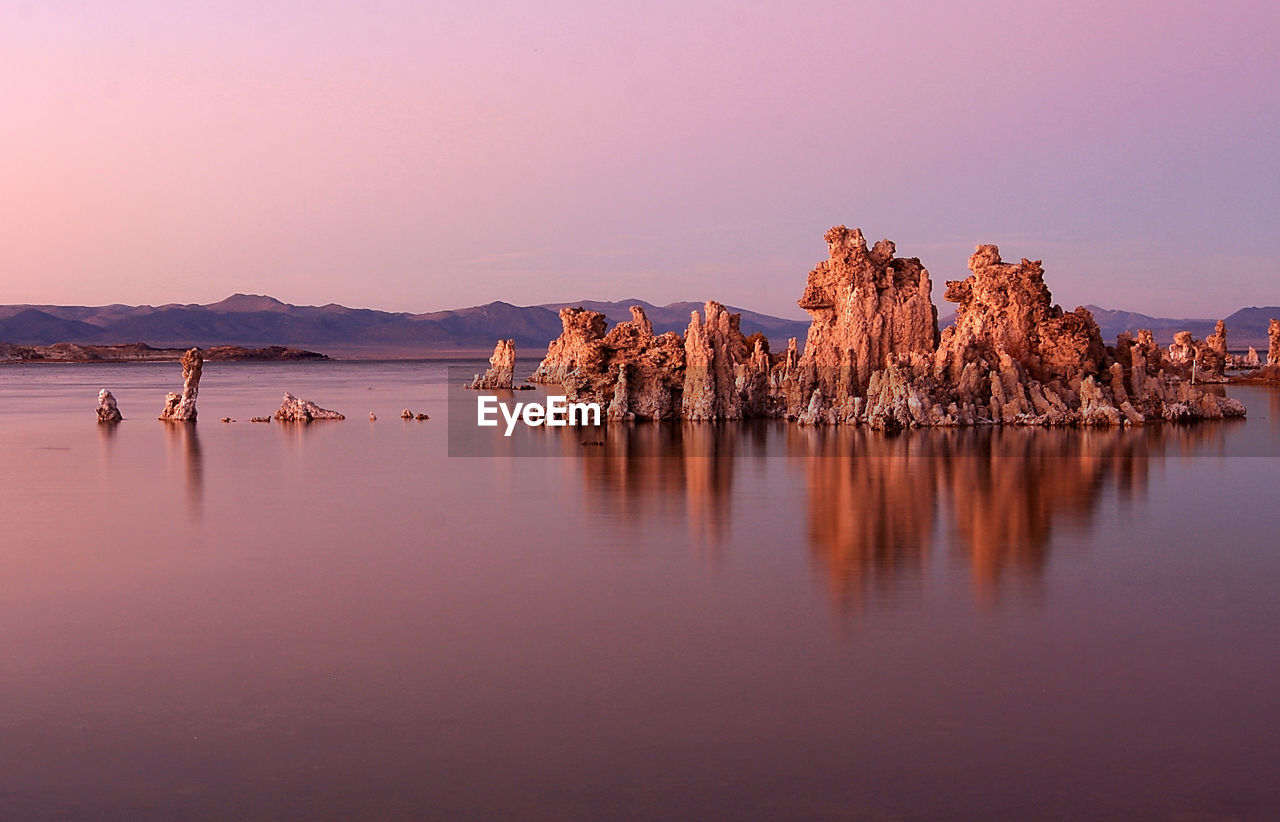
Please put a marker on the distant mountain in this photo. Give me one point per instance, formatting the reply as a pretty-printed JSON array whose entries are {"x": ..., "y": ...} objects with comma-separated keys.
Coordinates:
[
  {"x": 255, "y": 321},
  {"x": 1246, "y": 327},
  {"x": 31, "y": 325},
  {"x": 252, "y": 320}
]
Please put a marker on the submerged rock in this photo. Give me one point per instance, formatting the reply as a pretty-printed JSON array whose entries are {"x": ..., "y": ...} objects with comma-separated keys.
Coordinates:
[
  {"x": 107, "y": 409},
  {"x": 293, "y": 409},
  {"x": 182, "y": 407},
  {"x": 406, "y": 414}
]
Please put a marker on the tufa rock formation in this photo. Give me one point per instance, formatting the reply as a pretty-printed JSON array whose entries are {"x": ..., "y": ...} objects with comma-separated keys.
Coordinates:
[
  {"x": 874, "y": 357},
  {"x": 1273, "y": 333},
  {"x": 502, "y": 367},
  {"x": 107, "y": 409},
  {"x": 296, "y": 410},
  {"x": 1200, "y": 361},
  {"x": 182, "y": 407},
  {"x": 630, "y": 371},
  {"x": 582, "y": 332},
  {"x": 866, "y": 306},
  {"x": 723, "y": 378},
  {"x": 1212, "y": 357}
]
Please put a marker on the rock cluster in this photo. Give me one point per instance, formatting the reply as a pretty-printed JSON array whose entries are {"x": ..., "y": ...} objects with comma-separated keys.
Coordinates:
[
  {"x": 182, "y": 407},
  {"x": 630, "y": 371},
  {"x": 866, "y": 307},
  {"x": 1273, "y": 334},
  {"x": 107, "y": 409},
  {"x": 1012, "y": 357},
  {"x": 293, "y": 409},
  {"x": 1197, "y": 360},
  {"x": 1211, "y": 359},
  {"x": 874, "y": 356},
  {"x": 502, "y": 367}
]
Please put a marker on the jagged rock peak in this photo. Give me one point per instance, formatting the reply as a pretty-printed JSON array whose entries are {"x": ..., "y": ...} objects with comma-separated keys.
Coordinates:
[
  {"x": 182, "y": 407},
  {"x": 866, "y": 307},
  {"x": 716, "y": 358},
  {"x": 502, "y": 368},
  {"x": 1007, "y": 308},
  {"x": 581, "y": 333}
]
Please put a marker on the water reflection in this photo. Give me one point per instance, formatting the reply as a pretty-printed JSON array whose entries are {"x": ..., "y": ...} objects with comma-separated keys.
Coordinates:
[
  {"x": 183, "y": 447},
  {"x": 651, "y": 472},
  {"x": 879, "y": 508}
]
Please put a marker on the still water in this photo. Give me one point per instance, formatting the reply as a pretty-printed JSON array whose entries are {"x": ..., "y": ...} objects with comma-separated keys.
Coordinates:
[{"x": 756, "y": 621}]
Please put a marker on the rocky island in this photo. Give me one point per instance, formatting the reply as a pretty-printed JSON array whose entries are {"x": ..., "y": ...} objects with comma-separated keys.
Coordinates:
[
  {"x": 141, "y": 352},
  {"x": 874, "y": 356}
]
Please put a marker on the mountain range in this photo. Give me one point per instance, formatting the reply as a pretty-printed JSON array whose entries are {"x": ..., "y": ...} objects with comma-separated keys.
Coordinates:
[{"x": 255, "y": 320}]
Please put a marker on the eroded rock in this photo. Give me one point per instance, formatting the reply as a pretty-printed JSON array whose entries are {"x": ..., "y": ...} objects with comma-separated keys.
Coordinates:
[
  {"x": 293, "y": 409},
  {"x": 630, "y": 371},
  {"x": 108, "y": 411},
  {"x": 502, "y": 367},
  {"x": 874, "y": 356},
  {"x": 866, "y": 307},
  {"x": 182, "y": 407}
]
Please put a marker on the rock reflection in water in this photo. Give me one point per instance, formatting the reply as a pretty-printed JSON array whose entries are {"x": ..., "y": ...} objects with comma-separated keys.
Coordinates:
[
  {"x": 880, "y": 508},
  {"x": 661, "y": 471},
  {"x": 183, "y": 443}
]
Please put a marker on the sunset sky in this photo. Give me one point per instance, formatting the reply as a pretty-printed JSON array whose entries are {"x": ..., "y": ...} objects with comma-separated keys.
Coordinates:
[{"x": 420, "y": 156}]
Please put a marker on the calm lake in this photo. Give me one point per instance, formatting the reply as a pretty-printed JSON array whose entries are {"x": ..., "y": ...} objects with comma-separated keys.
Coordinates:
[{"x": 740, "y": 621}]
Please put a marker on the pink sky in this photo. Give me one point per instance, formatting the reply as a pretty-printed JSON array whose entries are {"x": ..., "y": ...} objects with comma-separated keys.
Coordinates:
[{"x": 414, "y": 156}]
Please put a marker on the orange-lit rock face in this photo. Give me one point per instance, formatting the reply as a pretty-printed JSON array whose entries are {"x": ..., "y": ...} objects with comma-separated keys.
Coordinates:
[
  {"x": 1273, "y": 353},
  {"x": 632, "y": 372},
  {"x": 866, "y": 306},
  {"x": 874, "y": 357},
  {"x": 502, "y": 367},
  {"x": 1211, "y": 358},
  {"x": 723, "y": 379},
  {"x": 1006, "y": 308},
  {"x": 578, "y": 345}
]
